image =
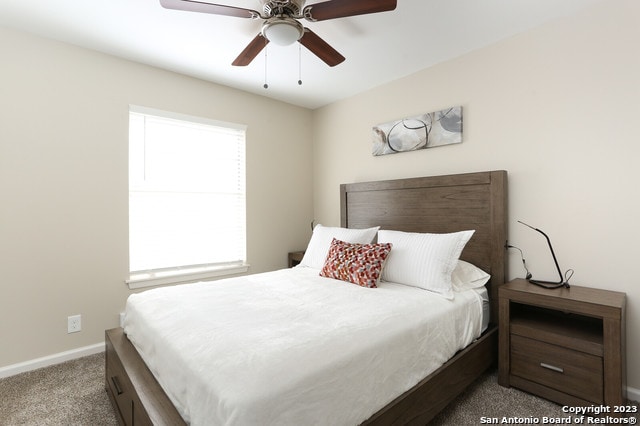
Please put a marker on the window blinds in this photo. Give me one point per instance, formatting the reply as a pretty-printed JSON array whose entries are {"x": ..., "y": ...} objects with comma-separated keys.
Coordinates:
[{"x": 186, "y": 193}]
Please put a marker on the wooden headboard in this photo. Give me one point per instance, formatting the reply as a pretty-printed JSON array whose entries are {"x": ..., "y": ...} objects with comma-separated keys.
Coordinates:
[{"x": 439, "y": 204}]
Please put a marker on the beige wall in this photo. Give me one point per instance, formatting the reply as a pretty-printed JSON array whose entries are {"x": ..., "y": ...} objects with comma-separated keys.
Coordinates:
[
  {"x": 557, "y": 107},
  {"x": 63, "y": 184}
]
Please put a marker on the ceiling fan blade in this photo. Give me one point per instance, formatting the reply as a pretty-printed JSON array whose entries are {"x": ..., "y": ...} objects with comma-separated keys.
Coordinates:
[
  {"x": 216, "y": 9},
  {"x": 320, "y": 48},
  {"x": 251, "y": 51},
  {"x": 332, "y": 9}
]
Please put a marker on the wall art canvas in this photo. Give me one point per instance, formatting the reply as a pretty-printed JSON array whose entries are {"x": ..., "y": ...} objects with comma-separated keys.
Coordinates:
[{"x": 420, "y": 132}]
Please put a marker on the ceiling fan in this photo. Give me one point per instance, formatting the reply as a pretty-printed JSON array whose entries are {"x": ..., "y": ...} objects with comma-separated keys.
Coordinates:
[{"x": 281, "y": 22}]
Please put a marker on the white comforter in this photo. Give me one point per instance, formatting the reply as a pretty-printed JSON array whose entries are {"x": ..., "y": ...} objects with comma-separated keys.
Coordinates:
[{"x": 292, "y": 348}]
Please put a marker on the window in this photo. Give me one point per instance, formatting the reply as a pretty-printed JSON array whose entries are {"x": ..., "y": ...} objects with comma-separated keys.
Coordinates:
[{"x": 187, "y": 216}]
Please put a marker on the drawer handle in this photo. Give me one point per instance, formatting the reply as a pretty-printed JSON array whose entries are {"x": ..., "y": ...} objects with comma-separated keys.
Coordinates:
[
  {"x": 551, "y": 367},
  {"x": 116, "y": 384}
]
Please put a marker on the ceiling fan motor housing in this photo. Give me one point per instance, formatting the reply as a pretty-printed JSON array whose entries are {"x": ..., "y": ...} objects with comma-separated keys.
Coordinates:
[{"x": 282, "y": 7}]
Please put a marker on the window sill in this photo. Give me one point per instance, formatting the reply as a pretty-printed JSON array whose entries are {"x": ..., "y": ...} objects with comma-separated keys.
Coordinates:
[{"x": 181, "y": 277}]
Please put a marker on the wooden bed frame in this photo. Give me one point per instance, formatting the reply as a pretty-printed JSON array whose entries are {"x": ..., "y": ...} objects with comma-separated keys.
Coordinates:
[{"x": 430, "y": 204}]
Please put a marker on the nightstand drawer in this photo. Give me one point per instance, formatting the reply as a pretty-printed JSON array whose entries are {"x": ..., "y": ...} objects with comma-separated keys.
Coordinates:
[{"x": 572, "y": 372}]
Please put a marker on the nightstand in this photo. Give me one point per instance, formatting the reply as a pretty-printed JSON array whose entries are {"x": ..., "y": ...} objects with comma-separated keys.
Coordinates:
[
  {"x": 295, "y": 257},
  {"x": 566, "y": 345}
]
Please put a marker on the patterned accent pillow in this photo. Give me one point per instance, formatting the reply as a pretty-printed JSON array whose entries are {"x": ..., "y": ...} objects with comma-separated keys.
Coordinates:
[{"x": 356, "y": 263}]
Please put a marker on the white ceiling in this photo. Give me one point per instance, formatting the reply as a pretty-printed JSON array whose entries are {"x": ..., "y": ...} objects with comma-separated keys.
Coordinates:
[{"x": 379, "y": 48}]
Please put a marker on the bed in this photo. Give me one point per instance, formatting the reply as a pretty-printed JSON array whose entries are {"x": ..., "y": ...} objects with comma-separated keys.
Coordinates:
[{"x": 441, "y": 204}]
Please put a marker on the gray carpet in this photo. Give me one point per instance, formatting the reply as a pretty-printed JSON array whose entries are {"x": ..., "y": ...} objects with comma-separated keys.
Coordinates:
[
  {"x": 69, "y": 394},
  {"x": 73, "y": 393}
]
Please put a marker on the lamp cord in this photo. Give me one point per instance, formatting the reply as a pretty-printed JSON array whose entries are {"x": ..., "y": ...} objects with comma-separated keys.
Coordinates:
[
  {"x": 524, "y": 264},
  {"x": 567, "y": 275}
]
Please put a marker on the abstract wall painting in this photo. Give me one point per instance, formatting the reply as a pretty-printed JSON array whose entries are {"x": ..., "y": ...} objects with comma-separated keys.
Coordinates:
[{"x": 420, "y": 132}]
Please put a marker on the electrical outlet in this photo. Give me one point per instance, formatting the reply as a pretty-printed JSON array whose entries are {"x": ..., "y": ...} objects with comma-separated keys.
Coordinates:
[{"x": 74, "y": 324}]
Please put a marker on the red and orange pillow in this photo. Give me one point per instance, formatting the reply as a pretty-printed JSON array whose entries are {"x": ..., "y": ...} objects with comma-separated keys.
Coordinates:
[{"x": 359, "y": 264}]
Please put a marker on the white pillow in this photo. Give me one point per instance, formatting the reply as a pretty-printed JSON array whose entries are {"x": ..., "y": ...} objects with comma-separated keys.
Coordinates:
[
  {"x": 423, "y": 260},
  {"x": 318, "y": 247},
  {"x": 466, "y": 276}
]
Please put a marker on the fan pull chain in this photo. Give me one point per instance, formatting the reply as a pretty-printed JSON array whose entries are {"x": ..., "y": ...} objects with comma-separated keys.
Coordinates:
[
  {"x": 265, "y": 85},
  {"x": 299, "y": 64}
]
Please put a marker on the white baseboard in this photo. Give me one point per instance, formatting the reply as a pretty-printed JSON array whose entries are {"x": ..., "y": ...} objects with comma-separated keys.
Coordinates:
[
  {"x": 633, "y": 394},
  {"x": 46, "y": 361}
]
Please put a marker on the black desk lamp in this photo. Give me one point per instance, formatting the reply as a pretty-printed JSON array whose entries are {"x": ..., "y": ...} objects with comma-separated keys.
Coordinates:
[{"x": 549, "y": 284}]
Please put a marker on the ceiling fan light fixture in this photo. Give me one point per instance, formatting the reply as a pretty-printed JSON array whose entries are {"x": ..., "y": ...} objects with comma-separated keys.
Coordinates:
[{"x": 282, "y": 31}]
